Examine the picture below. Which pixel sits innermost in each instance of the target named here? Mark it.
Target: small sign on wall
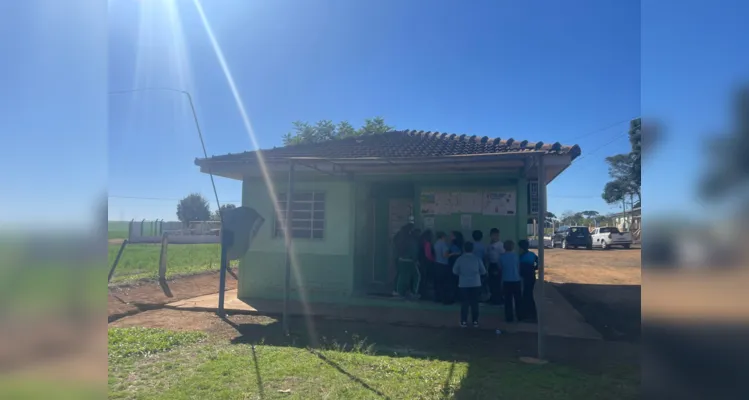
(466, 222)
(428, 222)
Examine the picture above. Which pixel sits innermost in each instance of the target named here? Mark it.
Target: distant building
(629, 221)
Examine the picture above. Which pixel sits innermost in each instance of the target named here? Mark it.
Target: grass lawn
(159, 364)
(141, 261)
(118, 229)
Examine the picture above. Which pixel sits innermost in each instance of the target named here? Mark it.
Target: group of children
(451, 268)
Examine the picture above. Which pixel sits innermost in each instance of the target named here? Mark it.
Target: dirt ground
(596, 267)
(603, 285)
(145, 295)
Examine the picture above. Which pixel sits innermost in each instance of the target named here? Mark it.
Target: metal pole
(117, 260)
(542, 295)
(227, 238)
(287, 236)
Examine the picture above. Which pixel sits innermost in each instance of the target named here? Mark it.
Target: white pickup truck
(605, 237)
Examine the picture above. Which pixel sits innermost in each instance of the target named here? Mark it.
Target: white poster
(465, 222)
(428, 204)
(470, 202)
(443, 203)
(500, 203)
(428, 222)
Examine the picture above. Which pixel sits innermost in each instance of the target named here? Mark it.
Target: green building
(351, 195)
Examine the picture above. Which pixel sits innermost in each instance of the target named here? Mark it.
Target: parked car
(572, 237)
(533, 242)
(607, 236)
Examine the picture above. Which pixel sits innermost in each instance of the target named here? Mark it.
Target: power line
(197, 126)
(617, 137)
(601, 129)
(159, 198)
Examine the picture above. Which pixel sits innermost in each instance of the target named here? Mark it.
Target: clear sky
(573, 72)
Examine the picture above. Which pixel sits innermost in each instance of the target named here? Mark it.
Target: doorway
(391, 209)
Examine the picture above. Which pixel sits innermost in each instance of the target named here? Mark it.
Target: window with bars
(307, 215)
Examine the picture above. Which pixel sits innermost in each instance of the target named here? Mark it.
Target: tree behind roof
(325, 130)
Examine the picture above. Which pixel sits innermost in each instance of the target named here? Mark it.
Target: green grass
(13, 387)
(141, 261)
(118, 229)
(117, 235)
(137, 341)
(215, 369)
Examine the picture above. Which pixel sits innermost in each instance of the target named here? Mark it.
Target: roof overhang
(525, 162)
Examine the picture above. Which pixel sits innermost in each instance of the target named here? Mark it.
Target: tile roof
(406, 144)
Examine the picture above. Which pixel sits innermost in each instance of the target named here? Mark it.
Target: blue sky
(551, 73)
(535, 70)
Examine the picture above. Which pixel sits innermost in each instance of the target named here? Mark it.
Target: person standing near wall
(456, 250)
(399, 242)
(442, 268)
(469, 269)
(528, 268)
(494, 251)
(407, 273)
(510, 264)
(426, 264)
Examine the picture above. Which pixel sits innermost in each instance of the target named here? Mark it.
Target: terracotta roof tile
(407, 144)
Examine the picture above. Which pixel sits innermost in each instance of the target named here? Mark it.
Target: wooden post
(163, 257)
(288, 237)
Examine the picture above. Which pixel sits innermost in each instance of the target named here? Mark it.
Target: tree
(625, 169)
(216, 216)
(590, 214)
(550, 218)
(622, 168)
(569, 218)
(325, 130)
(194, 207)
(635, 156)
(614, 192)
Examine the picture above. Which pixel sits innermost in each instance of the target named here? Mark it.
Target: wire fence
(147, 247)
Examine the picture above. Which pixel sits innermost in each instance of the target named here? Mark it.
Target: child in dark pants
(510, 265)
(494, 280)
(441, 268)
(528, 268)
(469, 269)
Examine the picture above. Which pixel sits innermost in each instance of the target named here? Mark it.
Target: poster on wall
(428, 205)
(470, 202)
(428, 222)
(443, 203)
(465, 222)
(499, 203)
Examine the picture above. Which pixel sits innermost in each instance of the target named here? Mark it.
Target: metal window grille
(307, 215)
(533, 197)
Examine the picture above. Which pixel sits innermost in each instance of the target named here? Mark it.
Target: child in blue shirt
(511, 287)
(528, 268)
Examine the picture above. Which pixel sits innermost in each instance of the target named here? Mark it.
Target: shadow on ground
(613, 310)
(480, 349)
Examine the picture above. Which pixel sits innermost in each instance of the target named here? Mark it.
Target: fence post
(163, 257)
(116, 260)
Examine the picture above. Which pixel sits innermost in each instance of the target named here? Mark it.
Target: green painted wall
(355, 249)
(324, 265)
